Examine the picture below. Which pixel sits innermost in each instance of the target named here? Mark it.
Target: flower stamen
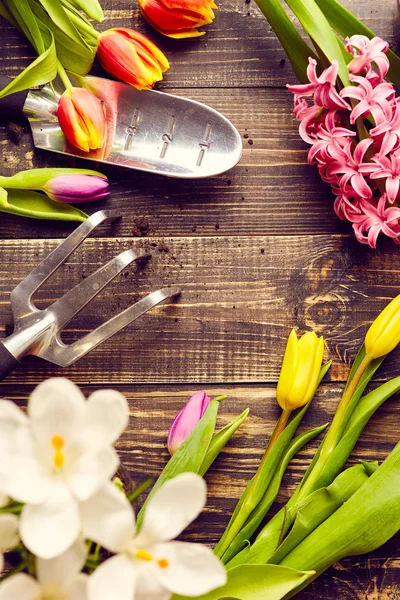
(144, 555)
(163, 563)
(58, 444)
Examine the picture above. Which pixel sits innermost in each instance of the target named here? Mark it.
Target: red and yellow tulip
(82, 119)
(131, 57)
(178, 18)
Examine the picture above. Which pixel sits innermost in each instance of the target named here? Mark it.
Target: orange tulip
(131, 57)
(178, 18)
(82, 119)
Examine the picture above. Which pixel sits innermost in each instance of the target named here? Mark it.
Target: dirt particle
(140, 227)
(14, 132)
(162, 247)
(216, 226)
(282, 62)
(262, 250)
(246, 136)
(250, 142)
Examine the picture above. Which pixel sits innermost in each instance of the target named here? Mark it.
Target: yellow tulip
(384, 334)
(300, 369)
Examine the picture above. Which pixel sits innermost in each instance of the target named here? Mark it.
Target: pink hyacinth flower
(348, 164)
(367, 52)
(326, 135)
(347, 208)
(375, 220)
(374, 101)
(388, 130)
(323, 88)
(186, 420)
(389, 168)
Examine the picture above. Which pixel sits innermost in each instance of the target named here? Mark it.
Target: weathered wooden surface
(257, 251)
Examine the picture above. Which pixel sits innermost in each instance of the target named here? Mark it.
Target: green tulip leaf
(258, 582)
(40, 71)
(38, 206)
(35, 179)
(190, 455)
(60, 18)
(90, 7)
(346, 24)
(5, 13)
(368, 519)
(23, 15)
(219, 441)
(3, 198)
(320, 505)
(297, 50)
(270, 495)
(319, 30)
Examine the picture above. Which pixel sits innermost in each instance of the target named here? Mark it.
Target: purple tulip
(77, 188)
(187, 420)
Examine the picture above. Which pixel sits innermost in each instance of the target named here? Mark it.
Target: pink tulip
(187, 420)
(77, 188)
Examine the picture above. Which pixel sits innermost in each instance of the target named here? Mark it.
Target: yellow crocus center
(146, 556)
(58, 444)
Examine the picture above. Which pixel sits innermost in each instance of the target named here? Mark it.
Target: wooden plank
(272, 191)
(240, 298)
(239, 49)
(143, 451)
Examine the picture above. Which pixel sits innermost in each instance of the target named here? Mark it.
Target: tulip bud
(187, 420)
(82, 119)
(384, 334)
(178, 18)
(300, 370)
(131, 57)
(77, 188)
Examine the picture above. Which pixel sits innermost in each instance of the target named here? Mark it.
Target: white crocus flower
(57, 579)
(60, 456)
(148, 565)
(9, 536)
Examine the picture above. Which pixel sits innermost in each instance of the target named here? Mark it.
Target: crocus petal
(108, 518)
(176, 504)
(56, 407)
(64, 569)
(78, 588)
(107, 418)
(115, 578)
(49, 529)
(147, 584)
(20, 586)
(29, 479)
(9, 536)
(192, 569)
(89, 472)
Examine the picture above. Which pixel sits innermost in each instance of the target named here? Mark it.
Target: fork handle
(8, 362)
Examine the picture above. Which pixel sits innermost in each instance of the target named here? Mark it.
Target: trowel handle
(8, 362)
(12, 105)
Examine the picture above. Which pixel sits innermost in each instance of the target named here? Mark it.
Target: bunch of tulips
(354, 134)
(333, 512)
(66, 41)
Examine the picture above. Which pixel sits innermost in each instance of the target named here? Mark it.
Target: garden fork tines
(38, 331)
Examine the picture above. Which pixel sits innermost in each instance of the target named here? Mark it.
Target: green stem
(250, 503)
(63, 76)
(332, 437)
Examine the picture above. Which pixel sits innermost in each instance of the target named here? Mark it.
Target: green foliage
(26, 203)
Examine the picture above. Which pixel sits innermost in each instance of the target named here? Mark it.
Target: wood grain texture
(241, 296)
(271, 191)
(239, 49)
(143, 451)
(257, 251)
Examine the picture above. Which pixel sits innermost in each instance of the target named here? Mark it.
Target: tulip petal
(115, 578)
(191, 568)
(71, 123)
(176, 504)
(288, 370)
(108, 518)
